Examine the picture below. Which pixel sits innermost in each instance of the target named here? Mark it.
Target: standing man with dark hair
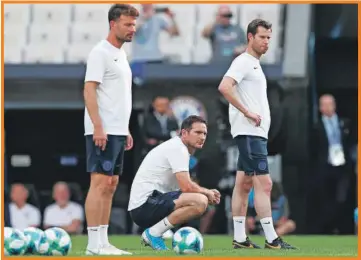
(245, 88)
(108, 102)
(163, 194)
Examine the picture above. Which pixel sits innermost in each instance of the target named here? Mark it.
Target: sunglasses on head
(229, 15)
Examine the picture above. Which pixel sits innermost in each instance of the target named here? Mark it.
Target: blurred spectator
(280, 213)
(64, 213)
(159, 124)
(145, 46)
(331, 161)
(227, 40)
(22, 214)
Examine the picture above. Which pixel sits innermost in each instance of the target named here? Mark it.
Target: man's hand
(129, 144)
(254, 117)
(100, 137)
(217, 196)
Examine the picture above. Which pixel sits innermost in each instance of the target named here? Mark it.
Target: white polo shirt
(157, 171)
(252, 92)
(56, 216)
(109, 66)
(24, 217)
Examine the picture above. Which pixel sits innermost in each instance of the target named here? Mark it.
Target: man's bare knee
(264, 182)
(102, 184)
(201, 202)
(243, 183)
(291, 225)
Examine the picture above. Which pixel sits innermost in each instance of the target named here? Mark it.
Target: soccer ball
(15, 242)
(59, 242)
(187, 240)
(36, 241)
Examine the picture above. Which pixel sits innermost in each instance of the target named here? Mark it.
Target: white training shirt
(252, 92)
(109, 66)
(56, 216)
(24, 217)
(157, 171)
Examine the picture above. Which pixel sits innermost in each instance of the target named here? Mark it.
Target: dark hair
(118, 10)
(189, 121)
(253, 26)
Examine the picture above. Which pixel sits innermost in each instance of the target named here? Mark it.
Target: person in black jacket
(332, 171)
(159, 124)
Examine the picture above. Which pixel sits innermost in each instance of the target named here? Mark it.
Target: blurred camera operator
(149, 25)
(227, 40)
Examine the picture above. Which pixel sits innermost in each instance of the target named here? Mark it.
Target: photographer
(145, 46)
(227, 40)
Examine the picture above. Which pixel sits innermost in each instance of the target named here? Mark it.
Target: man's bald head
(327, 105)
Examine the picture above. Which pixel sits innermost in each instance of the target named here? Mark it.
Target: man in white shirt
(245, 87)
(108, 101)
(64, 213)
(163, 194)
(22, 214)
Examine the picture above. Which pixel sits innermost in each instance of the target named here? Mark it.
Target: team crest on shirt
(185, 106)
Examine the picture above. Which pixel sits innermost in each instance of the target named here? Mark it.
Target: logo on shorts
(107, 165)
(185, 106)
(262, 165)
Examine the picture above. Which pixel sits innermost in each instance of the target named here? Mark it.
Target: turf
(221, 246)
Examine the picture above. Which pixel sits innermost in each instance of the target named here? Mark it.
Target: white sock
(93, 237)
(162, 226)
(239, 224)
(103, 230)
(268, 228)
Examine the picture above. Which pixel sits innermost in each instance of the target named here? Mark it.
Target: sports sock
(239, 224)
(268, 228)
(93, 237)
(162, 226)
(103, 234)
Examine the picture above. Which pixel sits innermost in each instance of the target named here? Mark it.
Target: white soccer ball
(37, 244)
(15, 242)
(187, 240)
(59, 241)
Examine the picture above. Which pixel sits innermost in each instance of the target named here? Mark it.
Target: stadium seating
(43, 33)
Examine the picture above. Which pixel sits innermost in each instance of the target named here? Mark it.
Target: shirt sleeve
(78, 213)
(95, 67)
(34, 217)
(238, 69)
(164, 23)
(179, 160)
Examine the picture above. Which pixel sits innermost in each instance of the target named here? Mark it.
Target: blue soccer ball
(58, 240)
(187, 241)
(35, 237)
(15, 242)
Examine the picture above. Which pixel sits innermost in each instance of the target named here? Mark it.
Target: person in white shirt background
(244, 86)
(64, 213)
(22, 214)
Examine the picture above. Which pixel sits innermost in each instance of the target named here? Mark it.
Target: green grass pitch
(221, 246)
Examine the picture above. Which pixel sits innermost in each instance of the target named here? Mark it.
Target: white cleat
(91, 251)
(112, 250)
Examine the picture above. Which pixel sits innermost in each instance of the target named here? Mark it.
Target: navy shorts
(252, 158)
(109, 161)
(158, 206)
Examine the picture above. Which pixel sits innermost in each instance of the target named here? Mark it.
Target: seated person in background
(227, 40)
(64, 213)
(159, 124)
(280, 213)
(22, 214)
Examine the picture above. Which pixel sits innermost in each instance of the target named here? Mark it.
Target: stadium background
(44, 103)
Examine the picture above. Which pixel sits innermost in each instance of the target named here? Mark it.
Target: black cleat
(246, 244)
(278, 243)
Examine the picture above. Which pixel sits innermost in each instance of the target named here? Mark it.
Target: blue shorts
(108, 162)
(158, 206)
(253, 153)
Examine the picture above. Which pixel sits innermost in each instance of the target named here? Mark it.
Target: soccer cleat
(92, 251)
(278, 243)
(246, 244)
(157, 243)
(114, 251)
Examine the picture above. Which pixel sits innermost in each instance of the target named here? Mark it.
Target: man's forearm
(231, 97)
(91, 105)
(195, 188)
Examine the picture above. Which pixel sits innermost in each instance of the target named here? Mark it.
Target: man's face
(161, 105)
(260, 41)
(124, 28)
(224, 15)
(196, 137)
(61, 194)
(19, 194)
(327, 105)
